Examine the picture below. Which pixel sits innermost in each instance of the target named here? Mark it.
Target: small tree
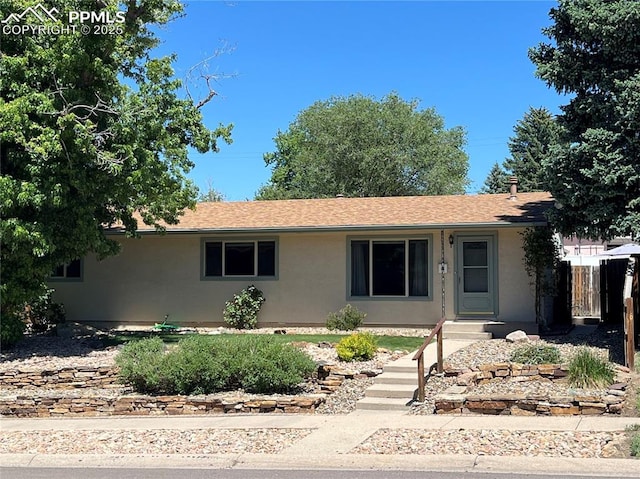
(497, 181)
(210, 194)
(541, 257)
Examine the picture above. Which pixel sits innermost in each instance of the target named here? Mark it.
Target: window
(239, 258)
(389, 267)
(72, 270)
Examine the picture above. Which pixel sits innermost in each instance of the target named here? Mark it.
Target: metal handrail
(419, 356)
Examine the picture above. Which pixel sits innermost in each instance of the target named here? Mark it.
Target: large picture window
(239, 258)
(397, 267)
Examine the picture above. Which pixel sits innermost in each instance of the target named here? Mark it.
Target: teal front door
(476, 275)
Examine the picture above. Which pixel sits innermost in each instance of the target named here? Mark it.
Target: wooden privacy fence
(585, 291)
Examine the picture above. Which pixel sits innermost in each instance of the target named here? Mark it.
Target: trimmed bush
(242, 311)
(588, 370)
(141, 365)
(536, 354)
(357, 347)
(203, 365)
(196, 367)
(348, 318)
(268, 366)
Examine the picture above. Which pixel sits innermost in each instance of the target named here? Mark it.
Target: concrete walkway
(331, 442)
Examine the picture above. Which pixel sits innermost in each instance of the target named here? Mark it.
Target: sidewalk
(331, 442)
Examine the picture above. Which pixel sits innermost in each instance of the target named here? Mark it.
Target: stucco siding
(517, 296)
(156, 276)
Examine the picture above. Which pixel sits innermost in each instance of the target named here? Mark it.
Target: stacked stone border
(83, 403)
(66, 378)
(460, 399)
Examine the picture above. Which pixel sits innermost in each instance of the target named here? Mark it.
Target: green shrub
(535, 354)
(634, 432)
(11, 330)
(194, 368)
(242, 311)
(588, 370)
(203, 365)
(348, 318)
(272, 367)
(141, 365)
(357, 347)
(42, 313)
(36, 316)
(635, 445)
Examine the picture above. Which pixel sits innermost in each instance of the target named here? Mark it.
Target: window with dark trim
(395, 267)
(239, 258)
(71, 270)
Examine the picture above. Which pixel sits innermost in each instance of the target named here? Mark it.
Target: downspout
(442, 275)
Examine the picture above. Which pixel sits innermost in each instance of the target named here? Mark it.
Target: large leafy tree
(93, 131)
(534, 136)
(595, 56)
(359, 146)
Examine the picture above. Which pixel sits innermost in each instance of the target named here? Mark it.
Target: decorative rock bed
(461, 399)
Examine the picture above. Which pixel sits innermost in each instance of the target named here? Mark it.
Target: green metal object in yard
(164, 326)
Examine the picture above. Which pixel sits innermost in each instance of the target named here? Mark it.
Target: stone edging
(459, 399)
(64, 378)
(329, 378)
(141, 405)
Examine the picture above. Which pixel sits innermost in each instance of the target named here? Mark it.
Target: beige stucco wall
(517, 296)
(161, 275)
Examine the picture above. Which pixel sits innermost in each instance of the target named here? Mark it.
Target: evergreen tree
(497, 181)
(595, 56)
(535, 134)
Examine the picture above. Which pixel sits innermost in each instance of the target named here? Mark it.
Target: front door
(476, 275)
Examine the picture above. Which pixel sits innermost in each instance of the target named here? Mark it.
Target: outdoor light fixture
(450, 240)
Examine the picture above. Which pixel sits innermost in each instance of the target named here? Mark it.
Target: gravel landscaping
(56, 352)
(494, 443)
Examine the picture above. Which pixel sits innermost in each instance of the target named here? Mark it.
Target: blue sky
(467, 59)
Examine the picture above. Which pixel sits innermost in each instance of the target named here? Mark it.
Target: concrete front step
(469, 325)
(401, 368)
(378, 390)
(468, 329)
(466, 335)
(383, 404)
(398, 377)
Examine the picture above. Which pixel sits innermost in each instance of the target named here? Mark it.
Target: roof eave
(330, 229)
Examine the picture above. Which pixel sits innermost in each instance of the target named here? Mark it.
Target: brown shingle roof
(362, 213)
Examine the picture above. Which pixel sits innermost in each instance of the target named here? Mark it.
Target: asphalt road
(133, 473)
